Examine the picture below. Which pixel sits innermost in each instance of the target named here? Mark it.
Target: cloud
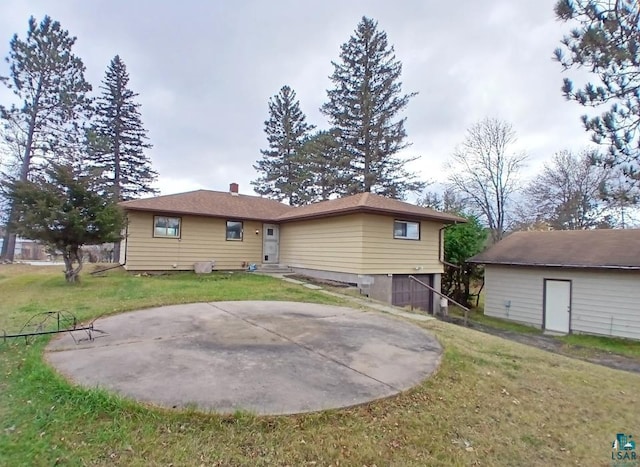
(206, 70)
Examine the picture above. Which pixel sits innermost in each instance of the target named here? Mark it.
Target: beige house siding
(329, 244)
(602, 301)
(359, 244)
(383, 254)
(202, 239)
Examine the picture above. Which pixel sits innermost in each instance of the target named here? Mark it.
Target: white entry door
(270, 243)
(557, 305)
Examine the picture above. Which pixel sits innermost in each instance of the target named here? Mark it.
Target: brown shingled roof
(366, 202)
(223, 204)
(212, 204)
(610, 249)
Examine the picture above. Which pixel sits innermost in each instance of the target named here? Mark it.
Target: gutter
(170, 212)
(555, 265)
(368, 210)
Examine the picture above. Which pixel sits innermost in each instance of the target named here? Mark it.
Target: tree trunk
(70, 255)
(9, 244)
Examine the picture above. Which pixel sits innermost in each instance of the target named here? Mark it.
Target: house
(364, 239)
(585, 281)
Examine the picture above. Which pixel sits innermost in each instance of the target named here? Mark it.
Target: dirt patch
(318, 282)
(551, 344)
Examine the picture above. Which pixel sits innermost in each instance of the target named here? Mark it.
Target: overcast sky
(205, 71)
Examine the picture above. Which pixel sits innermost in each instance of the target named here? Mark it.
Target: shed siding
(383, 254)
(202, 239)
(331, 244)
(522, 290)
(602, 302)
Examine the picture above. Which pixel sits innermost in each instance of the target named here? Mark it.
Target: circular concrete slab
(263, 357)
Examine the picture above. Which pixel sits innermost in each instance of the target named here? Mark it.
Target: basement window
(166, 226)
(406, 230)
(234, 230)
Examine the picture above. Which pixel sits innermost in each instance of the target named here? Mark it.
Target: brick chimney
(233, 188)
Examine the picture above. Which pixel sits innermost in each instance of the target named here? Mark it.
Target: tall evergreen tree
(48, 82)
(324, 165)
(364, 106)
(118, 139)
(282, 170)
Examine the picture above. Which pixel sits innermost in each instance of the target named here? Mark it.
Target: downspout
(126, 244)
(440, 244)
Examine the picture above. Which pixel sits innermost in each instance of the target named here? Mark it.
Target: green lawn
(492, 402)
(478, 316)
(627, 347)
(575, 344)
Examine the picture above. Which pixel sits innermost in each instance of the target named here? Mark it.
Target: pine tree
(118, 139)
(282, 170)
(363, 106)
(606, 41)
(324, 165)
(62, 207)
(48, 82)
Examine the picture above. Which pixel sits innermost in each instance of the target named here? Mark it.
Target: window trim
(405, 221)
(156, 235)
(226, 231)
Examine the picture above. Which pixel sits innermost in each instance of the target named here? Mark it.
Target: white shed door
(557, 305)
(270, 243)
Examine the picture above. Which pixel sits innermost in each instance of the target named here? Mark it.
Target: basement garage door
(406, 292)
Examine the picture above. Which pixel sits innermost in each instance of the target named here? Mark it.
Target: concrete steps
(274, 269)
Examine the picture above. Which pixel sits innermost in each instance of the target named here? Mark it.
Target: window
(406, 230)
(234, 230)
(166, 226)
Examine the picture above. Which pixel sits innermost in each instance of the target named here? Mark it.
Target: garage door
(405, 292)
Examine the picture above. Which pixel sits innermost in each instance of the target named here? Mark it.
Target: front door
(270, 243)
(557, 305)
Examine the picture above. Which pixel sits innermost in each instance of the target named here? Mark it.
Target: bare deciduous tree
(446, 201)
(485, 171)
(568, 193)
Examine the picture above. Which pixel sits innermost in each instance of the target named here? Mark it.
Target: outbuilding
(584, 281)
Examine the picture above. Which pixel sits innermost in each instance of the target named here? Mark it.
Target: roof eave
(371, 210)
(200, 214)
(552, 265)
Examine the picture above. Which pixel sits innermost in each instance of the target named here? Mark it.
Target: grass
(576, 344)
(478, 316)
(36, 289)
(492, 402)
(626, 347)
